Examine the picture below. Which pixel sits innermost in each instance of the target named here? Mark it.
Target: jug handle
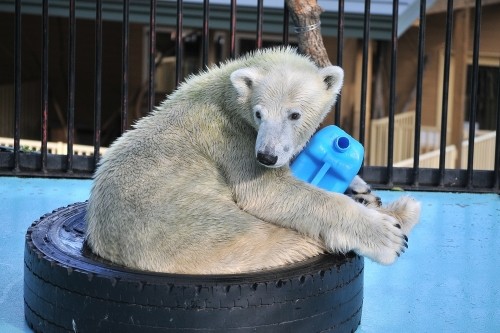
(320, 173)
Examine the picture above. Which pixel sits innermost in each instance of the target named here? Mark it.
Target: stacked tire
(69, 289)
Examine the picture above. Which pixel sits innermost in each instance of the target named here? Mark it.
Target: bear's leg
(224, 240)
(263, 246)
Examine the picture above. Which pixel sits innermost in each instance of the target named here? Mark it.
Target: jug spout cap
(341, 143)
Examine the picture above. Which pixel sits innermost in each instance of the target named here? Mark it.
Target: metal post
(340, 48)
(45, 81)
(17, 86)
(473, 95)
(125, 54)
(71, 86)
(392, 92)
(418, 97)
(98, 82)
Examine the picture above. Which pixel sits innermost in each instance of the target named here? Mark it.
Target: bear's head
(286, 103)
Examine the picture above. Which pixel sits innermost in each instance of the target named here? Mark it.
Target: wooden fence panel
(404, 138)
(484, 152)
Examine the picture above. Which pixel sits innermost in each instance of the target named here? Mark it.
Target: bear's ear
(244, 80)
(333, 77)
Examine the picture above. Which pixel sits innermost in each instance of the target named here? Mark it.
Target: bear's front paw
(383, 239)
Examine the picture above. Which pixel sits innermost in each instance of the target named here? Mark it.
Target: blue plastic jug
(330, 160)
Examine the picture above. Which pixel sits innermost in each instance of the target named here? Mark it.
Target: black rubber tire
(68, 289)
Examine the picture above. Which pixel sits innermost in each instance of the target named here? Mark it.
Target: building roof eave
(380, 17)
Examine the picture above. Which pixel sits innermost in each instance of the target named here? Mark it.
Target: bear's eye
(294, 116)
(257, 115)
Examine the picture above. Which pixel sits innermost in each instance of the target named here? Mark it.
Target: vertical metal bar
(473, 94)
(286, 22)
(125, 54)
(364, 71)
(260, 10)
(418, 104)
(45, 81)
(340, 49)
(496, 175)
(71, 85)
(205, 36)
(179, 50)
(392, 91)
(98, 81)
(17, 85)
(446, 77)
(152, 55)
(232, 30)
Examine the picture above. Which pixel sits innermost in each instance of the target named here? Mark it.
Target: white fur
(184, 192)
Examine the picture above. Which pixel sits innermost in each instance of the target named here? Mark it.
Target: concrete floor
(446, 281)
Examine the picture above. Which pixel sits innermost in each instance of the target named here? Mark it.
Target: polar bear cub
(202, 185)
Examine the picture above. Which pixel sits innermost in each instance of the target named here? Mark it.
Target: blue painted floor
(447, 281)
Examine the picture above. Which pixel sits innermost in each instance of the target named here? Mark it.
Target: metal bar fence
(418, 97)
(496, 176)
(364, 72)
(392, 91)
(125, 57)
(205, 33)
(286, 23)
(232, 30)
(179, 49)
(17, 86)
(152, 54)
(473, 94)
(340, 49)
(45, 82)
(71, 86)
(446, 85)
(260, 19)
(98, 82)
(16, 162)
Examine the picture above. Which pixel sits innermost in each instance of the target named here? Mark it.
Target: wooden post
(305, 16)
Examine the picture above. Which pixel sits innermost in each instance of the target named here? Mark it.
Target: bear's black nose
(267, 159)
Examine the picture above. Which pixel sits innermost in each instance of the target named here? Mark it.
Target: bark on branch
(305, 16)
